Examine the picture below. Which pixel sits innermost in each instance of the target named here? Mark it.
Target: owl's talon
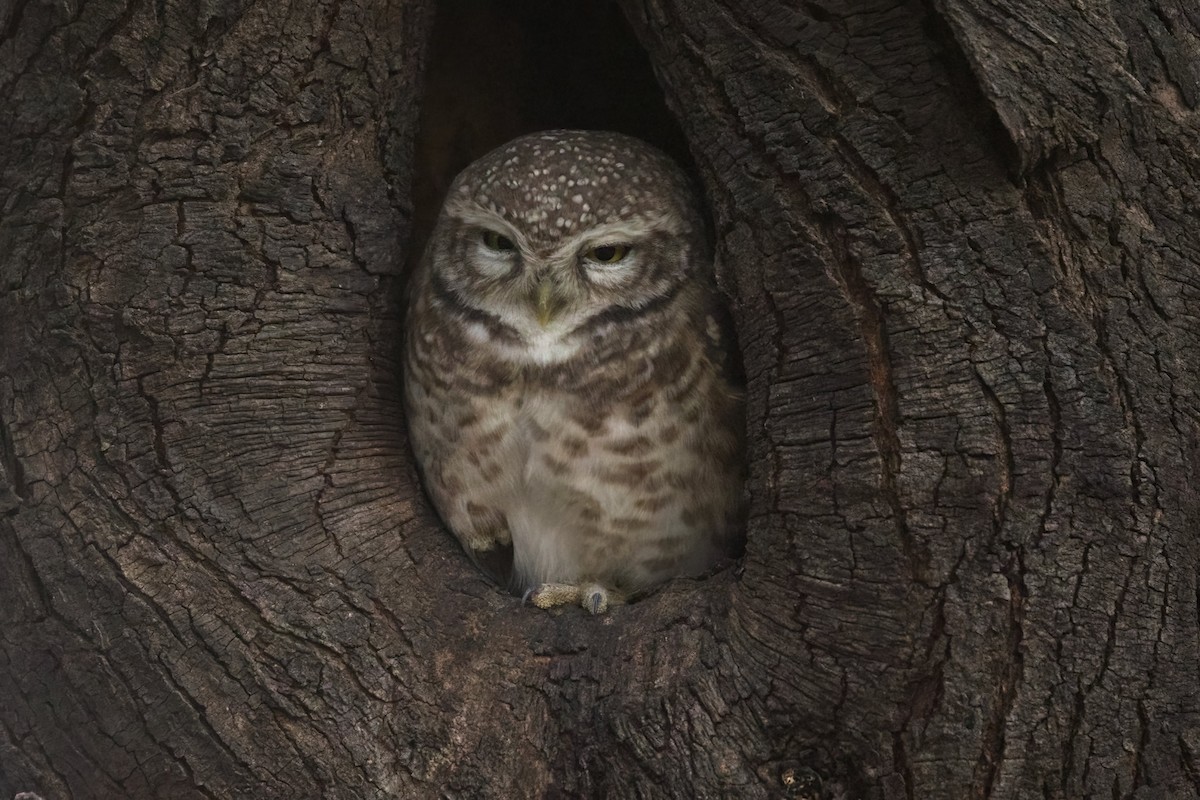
(595, 598)
(598, 599)
(549, 595)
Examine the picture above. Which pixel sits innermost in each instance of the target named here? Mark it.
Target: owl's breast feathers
(621, 464)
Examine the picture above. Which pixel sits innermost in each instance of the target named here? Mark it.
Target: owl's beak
(546, 301)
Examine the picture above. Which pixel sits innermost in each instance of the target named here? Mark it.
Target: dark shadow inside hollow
(501, 68)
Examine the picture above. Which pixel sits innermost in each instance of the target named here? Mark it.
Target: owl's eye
(498, 242)
(608, 253)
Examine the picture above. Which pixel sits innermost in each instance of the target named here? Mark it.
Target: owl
(568, 382)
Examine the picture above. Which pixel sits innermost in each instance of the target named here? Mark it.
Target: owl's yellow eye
(497, 241)
(608, 253)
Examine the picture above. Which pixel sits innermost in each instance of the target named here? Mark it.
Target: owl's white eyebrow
(622, 232)
(627, 231)
(482, 218)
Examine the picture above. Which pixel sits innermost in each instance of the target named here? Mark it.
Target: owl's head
(555, 233)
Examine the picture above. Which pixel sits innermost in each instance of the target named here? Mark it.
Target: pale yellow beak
(546, 302)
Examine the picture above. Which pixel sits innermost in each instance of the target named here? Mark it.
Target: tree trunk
(961, 244)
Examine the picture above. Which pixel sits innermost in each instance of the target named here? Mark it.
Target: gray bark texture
(962, 246)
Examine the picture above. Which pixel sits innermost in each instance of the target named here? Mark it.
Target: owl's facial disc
(568, 275)
(545, 287)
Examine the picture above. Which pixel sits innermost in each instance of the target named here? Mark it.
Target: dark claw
(597, 599)
(527, 597)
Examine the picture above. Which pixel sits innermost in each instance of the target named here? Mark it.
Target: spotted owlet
(567, 375)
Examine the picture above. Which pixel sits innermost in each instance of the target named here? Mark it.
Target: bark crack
(873, 327)
(991, 756)
(12, 472)
(886, 200)
(1188, 757)
(1005, 490)
(160, 446)
(1056, 438)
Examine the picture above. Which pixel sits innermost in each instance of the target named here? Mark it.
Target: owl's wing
(720, 342)
(482, 530)
(467, 510)
(445, 407)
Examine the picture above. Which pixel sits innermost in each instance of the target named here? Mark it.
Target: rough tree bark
(962, 246)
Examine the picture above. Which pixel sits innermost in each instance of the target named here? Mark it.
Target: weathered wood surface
(962, 248)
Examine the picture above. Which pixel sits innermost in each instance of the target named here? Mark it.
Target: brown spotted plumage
(567, 387)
